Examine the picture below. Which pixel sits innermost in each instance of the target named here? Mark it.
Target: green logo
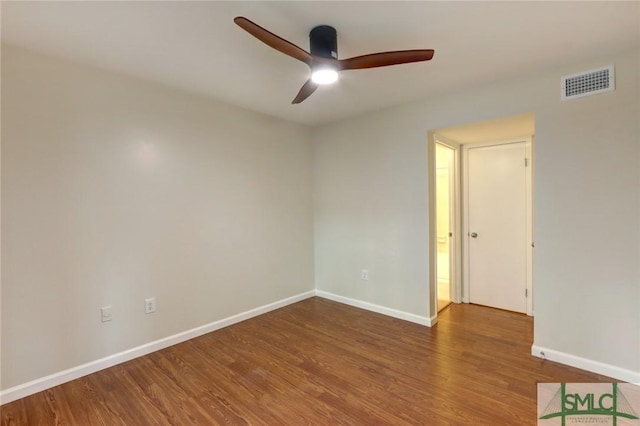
(612, 405)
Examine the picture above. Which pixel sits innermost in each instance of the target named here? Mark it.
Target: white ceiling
(195, 46)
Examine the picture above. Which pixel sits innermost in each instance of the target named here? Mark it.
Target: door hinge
(526, 292)
(526, 162)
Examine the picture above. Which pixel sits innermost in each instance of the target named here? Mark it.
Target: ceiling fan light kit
(323, 59)
(326, 75)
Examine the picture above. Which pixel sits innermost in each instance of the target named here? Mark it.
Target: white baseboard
(379, 309)
(38, 385)
(586, 364)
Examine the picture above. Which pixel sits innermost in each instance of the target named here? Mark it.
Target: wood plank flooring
(319, 362)
(443, 303)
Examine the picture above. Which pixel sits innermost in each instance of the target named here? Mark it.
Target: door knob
(474, 235)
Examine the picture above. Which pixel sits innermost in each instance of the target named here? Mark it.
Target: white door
(497, 203)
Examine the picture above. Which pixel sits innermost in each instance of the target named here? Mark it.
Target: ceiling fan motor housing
(324, 41)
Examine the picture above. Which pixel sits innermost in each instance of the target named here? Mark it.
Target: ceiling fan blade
(307, 89)
(273, 40)
(384, 59)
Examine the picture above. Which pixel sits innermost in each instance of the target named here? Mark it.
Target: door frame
(528, 140)
(455, 265)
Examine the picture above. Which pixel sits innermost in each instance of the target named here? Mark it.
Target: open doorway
(456, 263)
(445, 223)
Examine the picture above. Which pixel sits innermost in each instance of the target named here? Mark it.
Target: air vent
(588, 83)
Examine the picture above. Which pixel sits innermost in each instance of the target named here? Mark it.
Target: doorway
(461, 138)
(445, 219)
(445, 223)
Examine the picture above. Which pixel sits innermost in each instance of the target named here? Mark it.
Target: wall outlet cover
(150, 305)
(105, 314)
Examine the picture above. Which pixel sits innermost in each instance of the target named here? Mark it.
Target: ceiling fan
(323, 56)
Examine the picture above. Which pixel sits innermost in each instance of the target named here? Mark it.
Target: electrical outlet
(365, 274)
(105, 313)
(150, 305)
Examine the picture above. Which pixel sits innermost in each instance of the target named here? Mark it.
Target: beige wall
(370, 198)
(114, 190)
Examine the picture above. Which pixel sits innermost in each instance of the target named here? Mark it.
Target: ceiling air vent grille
(588, 83)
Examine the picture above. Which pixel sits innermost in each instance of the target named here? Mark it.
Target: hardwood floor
(442, 303)
(319, 362)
